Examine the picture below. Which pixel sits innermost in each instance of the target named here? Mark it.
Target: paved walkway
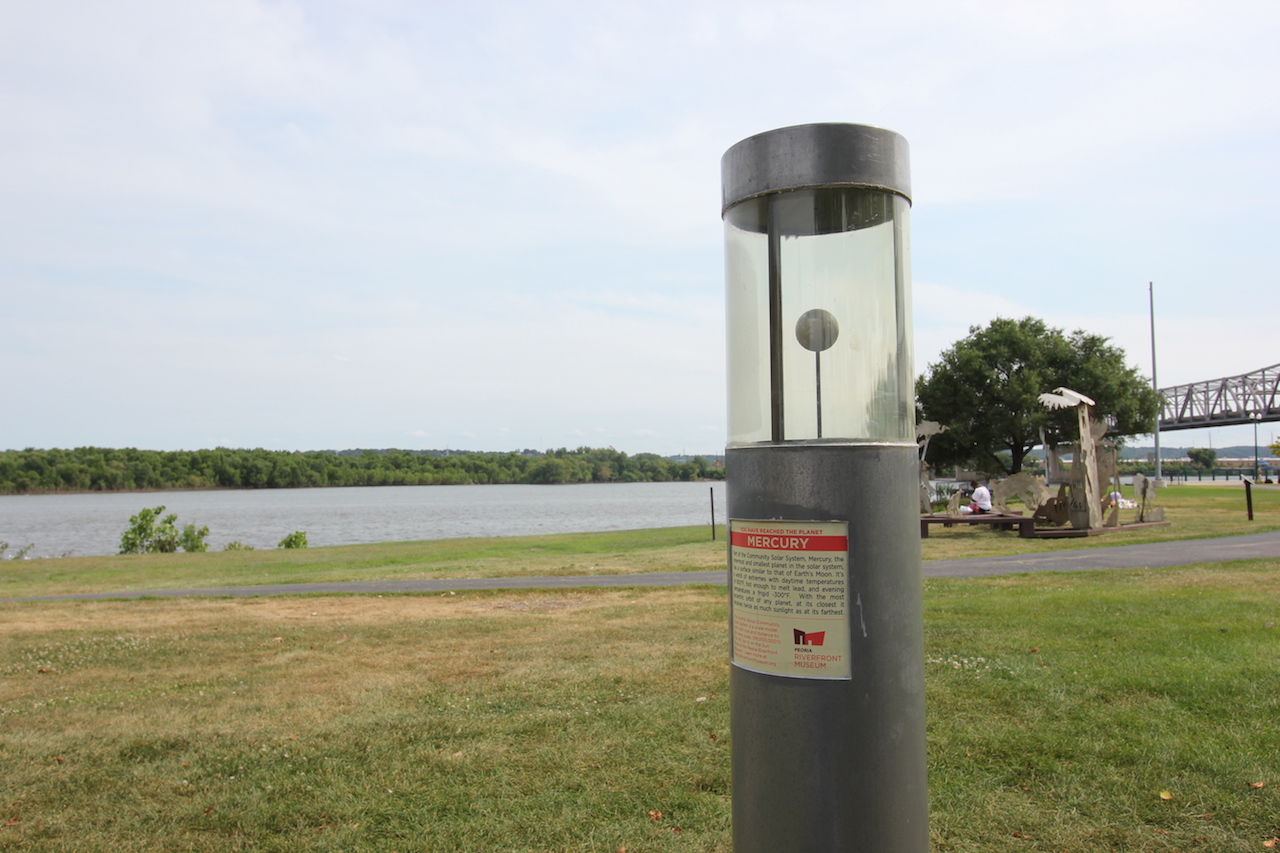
(1151, 555)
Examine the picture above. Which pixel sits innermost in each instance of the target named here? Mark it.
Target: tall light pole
(1151, 301)
(1255, 417)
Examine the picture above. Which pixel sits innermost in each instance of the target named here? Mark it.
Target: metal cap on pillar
(827, 675)
(815, 155)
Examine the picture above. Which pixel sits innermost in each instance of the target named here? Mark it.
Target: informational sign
(790, 597)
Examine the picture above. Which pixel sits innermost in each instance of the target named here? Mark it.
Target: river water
(91, 524)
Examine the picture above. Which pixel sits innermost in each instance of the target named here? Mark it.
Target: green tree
(1203, 456)
(985, 389)
(105, 469)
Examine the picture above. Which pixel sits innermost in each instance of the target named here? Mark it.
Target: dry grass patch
(477, 721)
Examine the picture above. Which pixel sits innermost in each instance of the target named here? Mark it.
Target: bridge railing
(1232, 400)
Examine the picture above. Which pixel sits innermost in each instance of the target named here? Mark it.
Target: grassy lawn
(672, 549)
(1132, 710)
(1127, 710)
(1195, 512)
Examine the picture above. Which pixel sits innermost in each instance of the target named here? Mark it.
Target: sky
(496, 225)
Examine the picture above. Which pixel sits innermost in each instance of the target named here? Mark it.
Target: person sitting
(981, 498)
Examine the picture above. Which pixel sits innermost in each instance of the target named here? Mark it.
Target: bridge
(1245, 399)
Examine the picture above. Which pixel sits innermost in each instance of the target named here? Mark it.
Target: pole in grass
(713, 512)
(827, 651)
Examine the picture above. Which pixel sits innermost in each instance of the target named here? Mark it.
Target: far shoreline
(166, 489)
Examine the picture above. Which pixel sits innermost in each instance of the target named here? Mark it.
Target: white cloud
(340, 224)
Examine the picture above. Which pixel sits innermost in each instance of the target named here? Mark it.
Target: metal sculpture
(1028, 487)
(1084, 496)
(926, 430)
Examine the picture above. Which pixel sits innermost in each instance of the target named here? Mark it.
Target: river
(91, 524)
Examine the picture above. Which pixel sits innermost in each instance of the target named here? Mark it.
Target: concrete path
(1152, 555)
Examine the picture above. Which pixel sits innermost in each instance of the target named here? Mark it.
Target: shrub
(296, 539)
(149, 533)
(20, 554)
(192, 539)
(237, 545)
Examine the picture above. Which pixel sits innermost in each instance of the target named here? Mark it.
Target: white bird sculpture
(1065, 398)
(1086, 457)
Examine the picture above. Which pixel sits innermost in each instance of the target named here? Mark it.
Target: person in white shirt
(981, 497)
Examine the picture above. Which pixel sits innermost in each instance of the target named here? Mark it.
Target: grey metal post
(827, 676)
(1151, 303)
(1255, 417)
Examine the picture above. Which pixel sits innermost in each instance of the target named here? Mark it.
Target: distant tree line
(100, 469)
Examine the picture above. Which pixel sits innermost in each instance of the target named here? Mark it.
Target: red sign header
(789, 541)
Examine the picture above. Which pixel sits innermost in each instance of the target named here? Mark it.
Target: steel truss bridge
(1245, 399)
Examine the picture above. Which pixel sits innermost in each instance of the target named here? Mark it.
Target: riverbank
(1196, 513)
(87, 525)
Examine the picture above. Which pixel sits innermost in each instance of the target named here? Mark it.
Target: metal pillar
(1255, 416)
(827, 677)
(1151, 303)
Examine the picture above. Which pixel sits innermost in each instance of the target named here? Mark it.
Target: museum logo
(813, 638)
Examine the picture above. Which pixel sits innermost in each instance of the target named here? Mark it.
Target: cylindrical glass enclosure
(818, 296)
(826, 639)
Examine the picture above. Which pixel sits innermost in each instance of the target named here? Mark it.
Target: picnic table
(1026, 524)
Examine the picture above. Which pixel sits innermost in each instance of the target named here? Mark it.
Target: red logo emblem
(812, 639)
